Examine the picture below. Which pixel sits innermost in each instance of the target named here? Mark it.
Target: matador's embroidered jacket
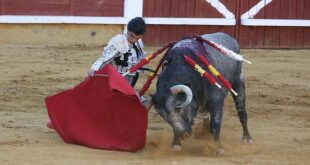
(121, 54)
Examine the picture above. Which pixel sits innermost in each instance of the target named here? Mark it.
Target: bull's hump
(184, 43)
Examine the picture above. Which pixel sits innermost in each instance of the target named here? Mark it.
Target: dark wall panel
(97, 8)
(37, 7)
(63, 7)
(161, 34)
(248, 36)
(1, 7)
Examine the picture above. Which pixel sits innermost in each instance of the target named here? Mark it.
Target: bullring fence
(254, 23)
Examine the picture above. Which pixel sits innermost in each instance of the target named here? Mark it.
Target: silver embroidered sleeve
(108, 53)
(142, 48)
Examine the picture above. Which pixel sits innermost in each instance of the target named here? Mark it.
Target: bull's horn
(185, 89)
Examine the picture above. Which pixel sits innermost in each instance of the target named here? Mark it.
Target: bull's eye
(165, 63)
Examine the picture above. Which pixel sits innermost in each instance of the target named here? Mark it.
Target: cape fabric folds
(101, 112)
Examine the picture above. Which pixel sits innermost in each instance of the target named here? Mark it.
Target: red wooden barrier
(248, 36)
(62, 7)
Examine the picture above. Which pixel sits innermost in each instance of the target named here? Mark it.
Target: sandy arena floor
(278, 105)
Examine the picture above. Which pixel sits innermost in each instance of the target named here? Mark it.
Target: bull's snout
(182, 129)
(186, 136)
(183, 135)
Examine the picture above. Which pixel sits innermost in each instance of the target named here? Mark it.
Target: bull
(181, 91)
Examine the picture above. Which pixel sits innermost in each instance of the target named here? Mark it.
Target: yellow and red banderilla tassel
(212, 70)
(217, 74)
(201, 71)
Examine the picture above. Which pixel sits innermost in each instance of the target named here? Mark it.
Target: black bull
(181, 90)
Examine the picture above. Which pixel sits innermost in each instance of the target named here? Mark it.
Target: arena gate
(254, 23)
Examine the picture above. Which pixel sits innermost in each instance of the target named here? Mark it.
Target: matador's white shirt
(121, 54)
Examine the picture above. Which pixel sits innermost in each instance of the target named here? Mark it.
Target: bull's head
(178, 109)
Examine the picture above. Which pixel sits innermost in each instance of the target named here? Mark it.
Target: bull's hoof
(218, 152)
(216, 149)
(176, 148)
(203, 115)
(247, 141)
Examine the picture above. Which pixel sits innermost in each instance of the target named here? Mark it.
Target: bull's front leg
(176, 143)
(215, 105)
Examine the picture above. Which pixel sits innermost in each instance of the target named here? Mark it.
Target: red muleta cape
(100, 112)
